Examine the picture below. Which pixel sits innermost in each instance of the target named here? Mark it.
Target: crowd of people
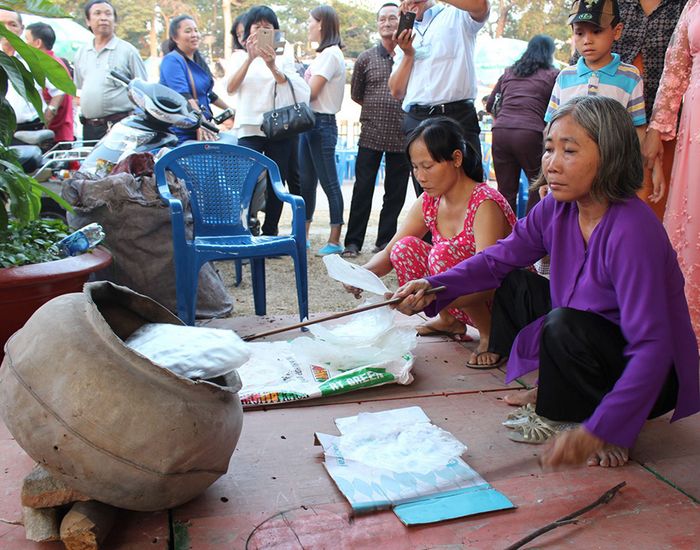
(614, 328)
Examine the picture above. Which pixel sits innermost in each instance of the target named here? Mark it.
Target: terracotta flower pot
(26, 288)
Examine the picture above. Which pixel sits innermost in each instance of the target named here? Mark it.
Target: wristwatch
(52, 108)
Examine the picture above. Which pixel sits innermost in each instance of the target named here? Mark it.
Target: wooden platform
(277, 495)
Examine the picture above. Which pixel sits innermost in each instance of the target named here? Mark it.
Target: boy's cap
(602, 13)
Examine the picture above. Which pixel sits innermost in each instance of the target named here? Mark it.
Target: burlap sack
(139, 236)
(104, 419)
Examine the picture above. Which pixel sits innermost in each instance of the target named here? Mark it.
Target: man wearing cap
(103, 100)
(596, 25)
(433, 72)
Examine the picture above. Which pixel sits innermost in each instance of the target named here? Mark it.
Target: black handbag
(289, 121)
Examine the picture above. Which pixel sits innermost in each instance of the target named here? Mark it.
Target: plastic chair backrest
(220, 179)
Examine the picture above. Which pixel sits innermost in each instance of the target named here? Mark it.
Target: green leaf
(52, 195)
(13, 73)
(37, 7)
(8, 121)
(3, 83)
(55, 72)
(26, 52)
(31, 93)
(41, 65)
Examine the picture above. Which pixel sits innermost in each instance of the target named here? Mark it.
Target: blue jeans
(317, 163)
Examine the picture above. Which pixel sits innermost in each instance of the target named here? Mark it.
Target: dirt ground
(325, 294)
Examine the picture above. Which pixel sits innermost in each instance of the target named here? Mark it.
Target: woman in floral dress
(463, 215)
(681, 82)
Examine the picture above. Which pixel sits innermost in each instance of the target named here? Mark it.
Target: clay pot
(25, 288)
(106, 420)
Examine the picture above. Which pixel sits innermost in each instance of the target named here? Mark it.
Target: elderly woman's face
(187, 38)
(570, 160)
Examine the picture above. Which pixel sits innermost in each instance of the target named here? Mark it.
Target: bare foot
(610, 456)
(521, 398)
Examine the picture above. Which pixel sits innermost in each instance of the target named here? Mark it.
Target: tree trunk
(153, 35)
(228, 40)
(504, 7)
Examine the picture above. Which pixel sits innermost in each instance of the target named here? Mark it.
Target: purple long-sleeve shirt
(628, 274)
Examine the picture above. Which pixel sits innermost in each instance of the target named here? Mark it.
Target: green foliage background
(520, 19)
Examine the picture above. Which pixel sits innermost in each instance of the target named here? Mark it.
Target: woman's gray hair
(609, 125)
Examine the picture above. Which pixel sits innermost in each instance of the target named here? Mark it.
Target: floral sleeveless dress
(413, 258)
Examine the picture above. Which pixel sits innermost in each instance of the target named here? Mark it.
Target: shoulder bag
(289, 121)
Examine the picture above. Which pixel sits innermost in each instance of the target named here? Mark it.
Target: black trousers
(94, 133)
(280, 152)
(581, 353)
(464, 116)
(515, 150)
(395, 183)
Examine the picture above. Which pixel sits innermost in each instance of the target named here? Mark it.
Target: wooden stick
(604, 499)
(334, 316)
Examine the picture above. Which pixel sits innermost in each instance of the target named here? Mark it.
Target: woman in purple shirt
(610, 331)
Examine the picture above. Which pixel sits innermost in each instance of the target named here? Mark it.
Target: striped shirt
(616, 80)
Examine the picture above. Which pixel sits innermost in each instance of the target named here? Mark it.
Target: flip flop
(539, 430)
(500, 362)
(424, 330)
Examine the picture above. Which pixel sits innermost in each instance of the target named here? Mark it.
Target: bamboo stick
(308, 322)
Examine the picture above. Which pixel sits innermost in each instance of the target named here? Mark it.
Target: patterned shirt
(381, 115)
(616, 80)
(648, 35)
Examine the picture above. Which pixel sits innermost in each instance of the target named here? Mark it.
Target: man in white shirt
(103, 100)
(433, 70)
(25, 113)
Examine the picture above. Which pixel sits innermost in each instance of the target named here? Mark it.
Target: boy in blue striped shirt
(596, 25)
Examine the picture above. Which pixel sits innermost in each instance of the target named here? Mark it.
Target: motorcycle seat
(30, 157)
(34, 137)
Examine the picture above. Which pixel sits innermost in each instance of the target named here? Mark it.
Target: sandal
(520, 416)
(502, 359)
(538, 430)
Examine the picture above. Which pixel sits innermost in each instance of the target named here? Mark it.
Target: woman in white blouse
(326, 77)
(253, 75)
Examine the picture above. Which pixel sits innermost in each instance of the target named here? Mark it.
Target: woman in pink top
(681, 78)
(463, 215)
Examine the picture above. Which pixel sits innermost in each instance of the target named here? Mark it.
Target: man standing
(434, 67)
(381, 134)
(103, 100)
(25, 113)
(59, 106)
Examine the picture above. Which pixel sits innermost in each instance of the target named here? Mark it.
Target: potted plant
(31, 272)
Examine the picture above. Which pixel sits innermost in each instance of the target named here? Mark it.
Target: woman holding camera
(185, 71)
(259, 81)
(326, 77)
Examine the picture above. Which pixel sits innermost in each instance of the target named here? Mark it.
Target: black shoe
(351, 251)
(379, 248)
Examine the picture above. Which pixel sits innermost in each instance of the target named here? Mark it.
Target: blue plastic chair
(523, 193)
(220, 179)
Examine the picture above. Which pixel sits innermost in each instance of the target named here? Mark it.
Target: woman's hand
(251, 46)
(206, 135)
(652, 148)
(571, 448)
(414, 298)
(658, 182)
(268, 56)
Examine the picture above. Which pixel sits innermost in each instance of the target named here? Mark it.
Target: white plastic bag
(191, 352)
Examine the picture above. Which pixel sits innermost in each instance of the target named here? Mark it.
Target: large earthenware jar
(106, 420)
